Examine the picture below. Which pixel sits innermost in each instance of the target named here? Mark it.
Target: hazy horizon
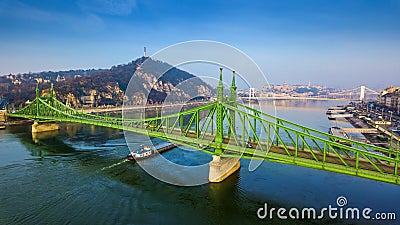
(330, 43)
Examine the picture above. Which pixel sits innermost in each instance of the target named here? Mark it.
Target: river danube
(80, 176)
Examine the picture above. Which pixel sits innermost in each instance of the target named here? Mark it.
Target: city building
(390, 98)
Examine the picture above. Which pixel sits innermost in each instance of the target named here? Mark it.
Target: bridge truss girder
(230, 129)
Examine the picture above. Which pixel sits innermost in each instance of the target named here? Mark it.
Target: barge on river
(148, 151)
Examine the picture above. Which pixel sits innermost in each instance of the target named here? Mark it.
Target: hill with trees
(151, 82)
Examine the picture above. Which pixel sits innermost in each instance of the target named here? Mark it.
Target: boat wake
(114, 165)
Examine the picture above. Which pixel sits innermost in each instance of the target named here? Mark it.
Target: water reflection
(72, 129)
(37, 136)
(306, 104)
(46, 144)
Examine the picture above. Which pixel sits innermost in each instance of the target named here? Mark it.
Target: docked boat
(339, 107)
(147, 151)
(330, 117)
(2, 126)
(337, 131)
(381, 137)
(250, 100)
(333, 111)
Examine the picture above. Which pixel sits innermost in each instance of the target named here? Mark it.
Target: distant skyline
(340, 43)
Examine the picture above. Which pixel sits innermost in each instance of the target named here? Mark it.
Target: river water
(79, 175)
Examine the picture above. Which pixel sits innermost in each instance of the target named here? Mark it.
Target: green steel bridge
(227, 128)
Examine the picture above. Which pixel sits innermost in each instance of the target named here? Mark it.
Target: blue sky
(340, 43)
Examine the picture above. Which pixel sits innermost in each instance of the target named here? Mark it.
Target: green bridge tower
(219, 134)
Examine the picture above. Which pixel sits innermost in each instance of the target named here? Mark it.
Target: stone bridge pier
(44, 126)
(3, 116)
(222, 167)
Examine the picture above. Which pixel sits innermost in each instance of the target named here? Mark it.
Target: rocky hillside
(107, 87)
